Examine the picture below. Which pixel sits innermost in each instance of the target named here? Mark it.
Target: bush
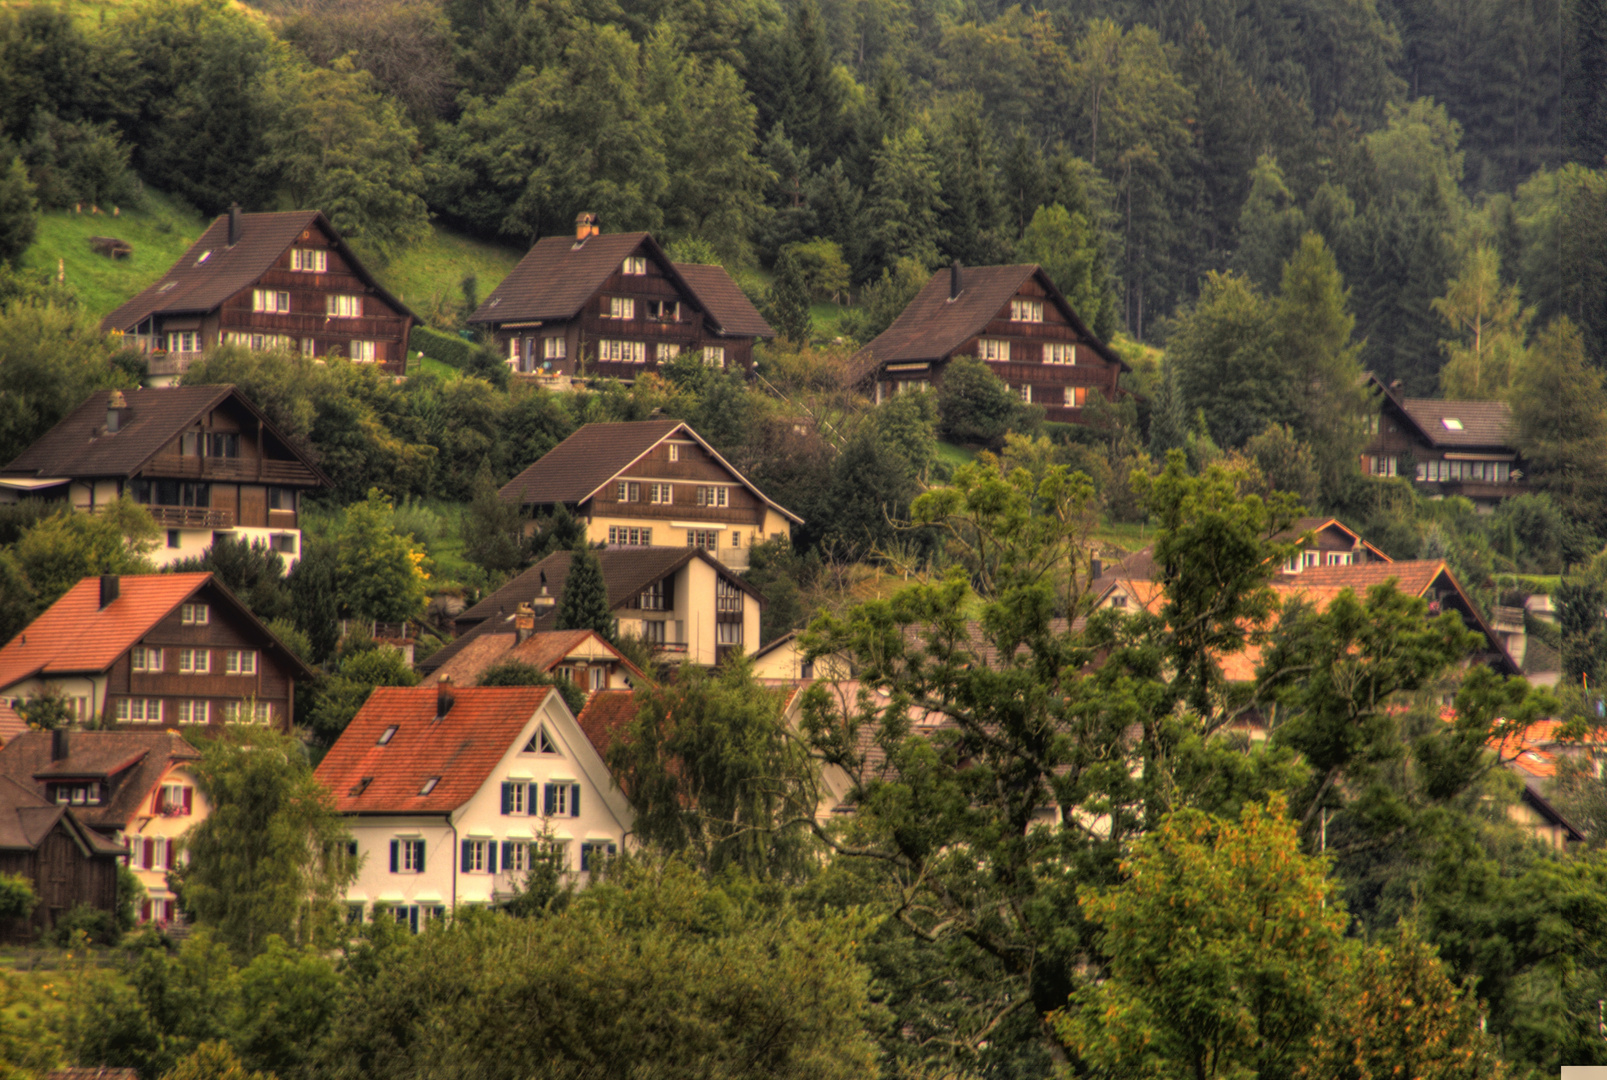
(17, 897)
(99, 926)
(519, 673)
(975, 407)
(449, 349)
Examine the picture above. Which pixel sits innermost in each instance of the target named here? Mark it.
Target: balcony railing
(191, 517)
(260, 470)
(171, 363)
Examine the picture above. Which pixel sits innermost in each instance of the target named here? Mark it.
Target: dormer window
(1451, 423)
(77, 794)
(429, 785)
(386, 736)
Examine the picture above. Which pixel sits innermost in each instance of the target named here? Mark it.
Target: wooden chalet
(1011, 317)
(282, 281)
(652, 483)
(1465, 448)
(615, 305)
(583, 657)
(154, 650)
(68, 863)
(203, 460)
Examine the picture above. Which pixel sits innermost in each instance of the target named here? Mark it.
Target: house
(688, 606)
(154, 649)
(1465, 448)
(132, 790)
(284, 281)
(652, 483)
(1533, 754)
(581, 656)
(203, 460)
(1011, 317)
(615, 305)
(451, 793)
(67, 863)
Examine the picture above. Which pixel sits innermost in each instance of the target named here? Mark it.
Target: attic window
(493, 302)
(203, 257)
(166, 285)
(361, 786)
(1451, 423)
(540, 743)
(429, 785)
(386, 736)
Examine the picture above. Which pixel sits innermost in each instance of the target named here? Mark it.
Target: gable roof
(135, 761)
(191, 285)
(76, 634)
(496, 641)
(11, 723)
(626, 572)
(583, 464)
(461, 748)
(1324, 524)
(558, 275)
(607, 713)
(728, 307)
(80, 446)
(1485, 424)
(933, 326)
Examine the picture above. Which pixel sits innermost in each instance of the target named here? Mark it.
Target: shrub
(17, 898)
(99, 926)
(447, 348)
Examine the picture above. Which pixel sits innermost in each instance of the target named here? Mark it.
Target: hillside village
(801, 539)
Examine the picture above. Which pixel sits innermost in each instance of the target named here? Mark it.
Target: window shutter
(549, 796)
(468, 848)
(507, 853)
(574, 801)
(144, 911)
(507, 797)
(420, 860)
(490, 856)
(150, 854)
(187, 800)
(156, 802)
(412, 918)
(396, 855)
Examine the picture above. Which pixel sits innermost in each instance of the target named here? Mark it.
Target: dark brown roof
(578, 467)
(933, 326)
(729, 308)
(193, 285)
(80, 447)
(557, 276)
(134, 762)
(1482, 423)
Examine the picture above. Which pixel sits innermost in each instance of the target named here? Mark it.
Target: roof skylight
(203, 257)
(429, 785)
(386, 736)
(1451, 423)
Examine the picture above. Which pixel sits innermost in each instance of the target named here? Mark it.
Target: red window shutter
(169, 855)
(156, 801)
(150, 854)
(144, 911)
(187, 801)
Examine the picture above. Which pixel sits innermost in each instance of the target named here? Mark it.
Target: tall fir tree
(583, 605)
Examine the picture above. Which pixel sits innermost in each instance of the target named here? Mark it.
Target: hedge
(449, 349)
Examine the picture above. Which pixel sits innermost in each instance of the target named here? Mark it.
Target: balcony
(191, 517)
(171, 363)
(248, 470)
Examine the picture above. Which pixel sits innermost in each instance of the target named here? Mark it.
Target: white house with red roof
(450, 793)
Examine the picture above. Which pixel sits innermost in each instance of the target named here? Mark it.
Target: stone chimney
(111, 587)
(443, 696)
(585, 226)
(524, 623)
(116, 410)
(956, 280)
(234, 224)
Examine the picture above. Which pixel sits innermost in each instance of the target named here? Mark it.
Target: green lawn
(954, 455)
(428, 277)
(418, 364)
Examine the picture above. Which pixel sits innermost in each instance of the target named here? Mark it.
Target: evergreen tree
(1270, 226)
(19, 217)
(1168, 418)
(1560, 409)
(583, 604)
(906, 201)
(789, 300)
(1066, 246)
(493, 529)
(1491, 325)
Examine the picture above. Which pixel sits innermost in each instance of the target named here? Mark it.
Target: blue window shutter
(507, 797)
(412, 918)
(574, 801)
(585, 857)
(491, 856)
(507, 853)
(612, 850)
(396, 861)
(548, 795)
(468, 850)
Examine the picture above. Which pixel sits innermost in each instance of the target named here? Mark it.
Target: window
(540, 743)
(992, 349)
(666, 353)
(664, 494)
(1310, 558)
(1026, 311)
(513, 351)
(309, 260)
(652, 597)
(736, 539)
(1383, 465)
(173, 800)
(173, 540)
(714, 356)
(653, 631)
(363, 352)
(1058, 352)
(712, 496)
(262, 712)
(339, 306)
(146, 710)
(407, 856)
(77, 794)
(195, 661)
(621, 307)
(386, 736)
(1025, 390)
(309, 347)
(594, 852)
(429, 785)
(515, 856)
(707, 539)
(221, 444)
(240, 662)
(284, 543)
(728, 633)
(665, 311)
(267, 300)
(1339, 558)
(727, 597)
(675, 452)
(194, 711)
(622, 352)
(636, 264)
(193, 614)
(1076, 396)
(553, 348)
(554, 851)
(479, 856)
(631, 537)
(560, 800)
(261, 342)
(627, 491)
(597, 678)
(354, 914)
(144, 659)
(1451, 423)
(184, 341)
(282, 498)
(516, 798)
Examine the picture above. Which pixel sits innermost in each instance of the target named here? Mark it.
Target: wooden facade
(1444, 447)
(66, 869)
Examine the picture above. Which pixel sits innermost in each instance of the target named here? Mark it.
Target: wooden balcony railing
(191, 517)
(171, 363)
(249, 470)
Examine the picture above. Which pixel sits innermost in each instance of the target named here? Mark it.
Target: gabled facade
(1014, 319)
(652, 483)
(615, 306)
(451, 794)
(154, 651)
(1333, 543)
(202, 459)
(67, 863)
(132, 789)
(282, 281)
(688, 606)
(1465, 448)
(581, 656)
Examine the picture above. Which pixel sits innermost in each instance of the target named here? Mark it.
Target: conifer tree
(789, 300)
(583, 605)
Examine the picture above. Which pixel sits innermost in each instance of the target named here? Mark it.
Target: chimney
(585, 226)
(956, 282)
(524, 623)
(110, 587)
(543, 583)
(443, 696)
(116, 406)
(58, 744)
(234, 224)
(1096, 566)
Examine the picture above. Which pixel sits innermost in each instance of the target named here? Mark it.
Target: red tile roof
(135, 762)
(196, 285)
(728, 306)
(606, 714)
(460, 748)
(1412, 576)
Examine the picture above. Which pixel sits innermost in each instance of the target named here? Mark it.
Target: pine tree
(1168, 423)
(19, 217)
(492, 527)
(789, 300)
(583, 605)
(1491, 324)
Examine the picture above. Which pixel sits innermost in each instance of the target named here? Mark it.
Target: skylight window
(166, 285)
(203, 257)
(361, 786)
(386, 736)
(1451, 423)
(429, 785)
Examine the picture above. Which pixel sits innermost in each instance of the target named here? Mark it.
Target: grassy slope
(428, 277)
